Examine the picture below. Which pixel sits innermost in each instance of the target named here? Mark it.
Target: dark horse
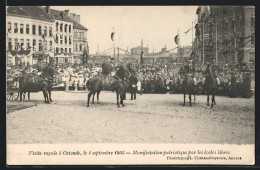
(98, 83)
(32, 82)
(210, 85)
(187, 84)
(187, 87)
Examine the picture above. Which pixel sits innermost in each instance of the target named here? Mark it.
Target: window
(69, 28)
(69, 50)
(61, 27)
(9, 43)
(65, 29)
(240, 21)
(69, 40)
(9, 29)
(65, 39)
(57, 50)
(57, 27)
(45, 45)
(66, 50)
(34, 45)
(61, 50)
(253, 23)
(27, 28)
(40, 30)
(253, 39)
(21, 28)
(233, 26)
(15, 27)
(40, 45)
(50, 45)
(16, 44)
(22, 44)
(27, 44)
(61, 41)
(226, 24)
(45, 31)
(50, 31)
(80, 47)
(33, 29)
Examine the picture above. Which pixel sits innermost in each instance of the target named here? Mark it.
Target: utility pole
(192, 34)
(235, 41)
(114, 45)
(203, 54)
(216, 43)
(142, 52)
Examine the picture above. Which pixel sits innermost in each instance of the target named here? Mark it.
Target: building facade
(225, 34)
(137, 50)
(80, 43)
(63, 36)
(185, 51)
(35, 33)
(29, 30)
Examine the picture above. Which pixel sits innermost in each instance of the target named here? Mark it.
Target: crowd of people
(154, 76)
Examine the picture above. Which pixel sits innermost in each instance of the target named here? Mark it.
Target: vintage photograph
(130, 74)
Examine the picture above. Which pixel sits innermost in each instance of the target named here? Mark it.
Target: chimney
(67, 12)
(62, 15)
(71, 16)
(78, 19)
(74, 17)
(48, 9)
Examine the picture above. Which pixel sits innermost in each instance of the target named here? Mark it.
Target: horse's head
(50, 70)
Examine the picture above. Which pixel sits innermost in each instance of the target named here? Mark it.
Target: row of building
(39, 33)
(225, 34)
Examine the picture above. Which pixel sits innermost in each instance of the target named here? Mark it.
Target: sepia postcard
(130, 85)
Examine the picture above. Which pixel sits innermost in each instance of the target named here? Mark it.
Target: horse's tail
(88, 85)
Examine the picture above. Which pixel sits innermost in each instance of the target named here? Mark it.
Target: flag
(177, 39)
(112, 36)
(187, 31)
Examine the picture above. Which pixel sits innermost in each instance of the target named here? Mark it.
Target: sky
(156, 25)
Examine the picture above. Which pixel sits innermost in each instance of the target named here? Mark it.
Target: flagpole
(192, 33)
(203, 55)
(216, 44)
(235, 41)
(114, 45)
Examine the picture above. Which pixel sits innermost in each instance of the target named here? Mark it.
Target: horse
(187, 87)
(32, 82)
(98, 83)
(210, 85)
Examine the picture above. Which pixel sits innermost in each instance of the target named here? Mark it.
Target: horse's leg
(93, 97)
(194, 94)
(89, 95)
(117, 96)
(46, 95)
(213, 95)
(50, 95)
(190, 99)
(184, 99)
(98, 96)
(21, 95)
(212, 100)
(207, 99)
(29, 95)
(24, 96)
(121, 99)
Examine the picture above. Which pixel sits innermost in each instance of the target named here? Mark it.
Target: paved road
(152, 118)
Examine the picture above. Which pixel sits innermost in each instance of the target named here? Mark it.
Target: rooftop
(33, 12)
